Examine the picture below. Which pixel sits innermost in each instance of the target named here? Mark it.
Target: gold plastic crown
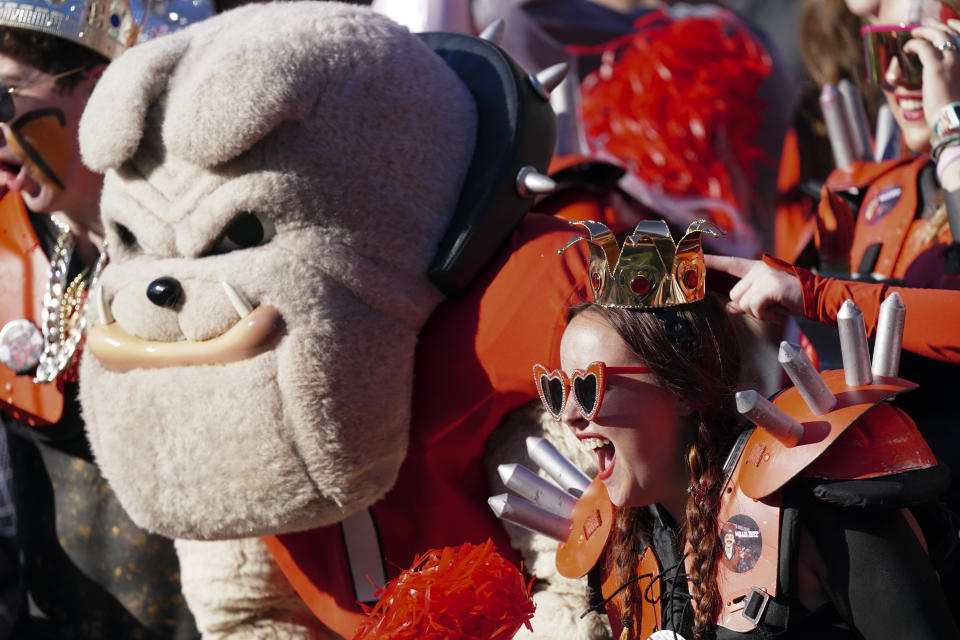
(105, 26)
(650, 271)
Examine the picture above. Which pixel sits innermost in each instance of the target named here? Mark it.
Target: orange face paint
(39, 139)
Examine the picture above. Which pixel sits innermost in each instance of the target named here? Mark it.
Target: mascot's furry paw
(560, 601)
(237, 592)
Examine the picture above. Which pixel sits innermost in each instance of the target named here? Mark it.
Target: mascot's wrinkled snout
(249, 360)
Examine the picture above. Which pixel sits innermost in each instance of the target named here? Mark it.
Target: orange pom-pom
(677, 102)
(469, 592)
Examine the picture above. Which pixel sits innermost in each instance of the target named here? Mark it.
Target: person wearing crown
(90, 572)
(649, 383)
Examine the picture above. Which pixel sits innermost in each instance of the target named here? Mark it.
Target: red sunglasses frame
(597, 369)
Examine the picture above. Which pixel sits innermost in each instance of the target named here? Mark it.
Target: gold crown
(105, 26)
(650, 271)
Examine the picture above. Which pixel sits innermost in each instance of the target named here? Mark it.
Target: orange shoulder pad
(768, 464)
(883, 441)
(861, 173)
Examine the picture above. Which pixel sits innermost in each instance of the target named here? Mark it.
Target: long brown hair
(693, 352)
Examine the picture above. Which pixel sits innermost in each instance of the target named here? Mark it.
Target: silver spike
(808, 382)
(556, 465)
(530, 516)
(886, 348)
(548, 79)
(540, 492)
(531, 182)
(240, 304)
(103, 311)
(494, 32)
(769, 417)
(853, 345)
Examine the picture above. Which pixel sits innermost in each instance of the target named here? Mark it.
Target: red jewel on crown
(595, 281)
(690, 278)
(640, 285)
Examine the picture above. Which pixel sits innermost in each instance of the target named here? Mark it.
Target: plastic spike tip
(549, 79)
(853, 345)
(494, 32)
(531, 182)
(769, 417)
(808, 382)
(886, 348)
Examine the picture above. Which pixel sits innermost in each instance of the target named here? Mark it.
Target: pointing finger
(738, 267)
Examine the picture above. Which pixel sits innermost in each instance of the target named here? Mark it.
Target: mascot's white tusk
(548, 79)
(494, 32)
(240, 305)
(103, 311)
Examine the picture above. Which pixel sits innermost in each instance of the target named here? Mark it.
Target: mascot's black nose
(164, 292)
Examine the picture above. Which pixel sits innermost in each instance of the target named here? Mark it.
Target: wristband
(943, 143)
(947, 156)
(948, 121)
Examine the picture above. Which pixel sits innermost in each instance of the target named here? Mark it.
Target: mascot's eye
(244, 231)
(127, 239)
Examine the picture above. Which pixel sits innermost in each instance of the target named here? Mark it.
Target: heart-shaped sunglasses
(587, 386)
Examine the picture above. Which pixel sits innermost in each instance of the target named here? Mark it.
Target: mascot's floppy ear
(121, 105)
(516, 132)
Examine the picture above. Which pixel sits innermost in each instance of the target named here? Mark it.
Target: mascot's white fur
(301, 160)
(290, 113)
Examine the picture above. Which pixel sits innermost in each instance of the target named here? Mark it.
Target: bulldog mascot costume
(291, 190)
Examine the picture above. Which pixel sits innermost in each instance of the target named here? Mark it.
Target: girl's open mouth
(606, 454)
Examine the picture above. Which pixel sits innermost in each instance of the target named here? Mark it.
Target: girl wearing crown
(648, 381)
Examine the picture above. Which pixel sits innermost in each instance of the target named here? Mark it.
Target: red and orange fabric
(472, 369)
(930, 326)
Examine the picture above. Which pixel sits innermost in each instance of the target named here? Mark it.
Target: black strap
(761, 609)
(951, 200)
(869, 260)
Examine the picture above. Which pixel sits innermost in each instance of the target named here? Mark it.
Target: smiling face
(905, 100)
(637, 432)
(728, 541)
(40, 154)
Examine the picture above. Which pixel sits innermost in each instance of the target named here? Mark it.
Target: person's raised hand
(763, 292)
(937, 44)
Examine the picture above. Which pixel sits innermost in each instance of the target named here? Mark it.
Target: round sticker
(882, 204)
(21, 345)
(742, 543)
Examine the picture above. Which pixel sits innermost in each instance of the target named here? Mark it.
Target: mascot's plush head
(278, 179)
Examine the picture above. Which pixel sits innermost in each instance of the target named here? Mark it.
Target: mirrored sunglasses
(585, 385)
(8, 108)
(884, 42)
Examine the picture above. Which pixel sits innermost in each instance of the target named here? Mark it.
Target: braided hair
(692, 352)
